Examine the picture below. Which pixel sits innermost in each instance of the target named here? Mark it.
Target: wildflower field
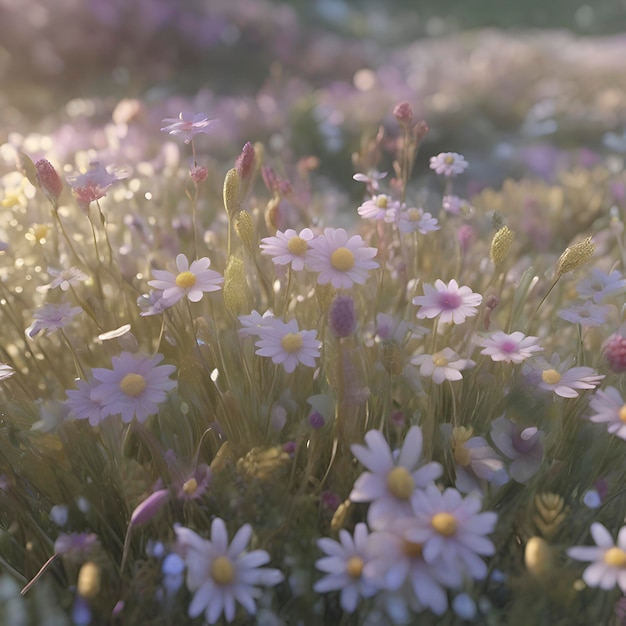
(299, 325)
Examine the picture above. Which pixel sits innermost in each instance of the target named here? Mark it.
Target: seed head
(575, 256)
(231, 192)
(501, 245)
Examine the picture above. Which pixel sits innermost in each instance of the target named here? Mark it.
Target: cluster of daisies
(412, 534)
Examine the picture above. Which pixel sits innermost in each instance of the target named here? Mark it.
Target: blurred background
(518, 87)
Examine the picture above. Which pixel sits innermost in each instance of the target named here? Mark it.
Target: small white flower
(380, 207)
(608, 567)
(555, 376)
(287, 248)
(512, 348)
(412, 219)
(219, 574)
(586, 314)
(448, 164)
(391, 481)
(443, 365)
(66, 278)
(610, 409)
(600, 285)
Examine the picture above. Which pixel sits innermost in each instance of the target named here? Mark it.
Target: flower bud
(575, 256)
(89, 577)
(149, 507)
(198, 174)
(537, 556)
(246, 162)
(49, 180)
(231, 192)
(403, 112)
(501, 245)
(342, 316)
(615, 353)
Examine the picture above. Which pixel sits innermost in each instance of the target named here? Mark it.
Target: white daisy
(190, 281)
(340, 259)
(219, 574)
(443, 365)
(288, 247)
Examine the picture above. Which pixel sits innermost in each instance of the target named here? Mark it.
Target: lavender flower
(187, 126)
(524, 446)
(52, 317)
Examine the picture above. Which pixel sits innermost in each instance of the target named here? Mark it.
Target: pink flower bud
(48, 179)
(198, 174)
(615, 353)
(403, 112)
(149, 507)
(245, 162)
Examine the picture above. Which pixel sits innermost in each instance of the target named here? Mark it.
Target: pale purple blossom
(187, 126)
(287, 345)
(371, 179)
(6, 371)
(93, 184)
(450, 302)
(475, 460)
(601, 285)
(153, 303)
(557, 377)
(340, 259)
(191, 280)
(455, 205)
(66, 278)
(400, 563)
(524, 446)
(346, 566)
(135, 386)
(288, 248)
(452, 530)
(586, 314)
(509, 347)
(254, 323)
(380, 207)
(220, 574)
(443, 365)
(448, 164)
(608, 559)
(416, 220)
(609, 408)
(81, 403)
(52, 317)
(391, 480)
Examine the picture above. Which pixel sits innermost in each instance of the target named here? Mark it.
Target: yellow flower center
(622, 414)
(186, 280)
(449, 160)
(413, 214)
(40, 231)
(400, 483)
(296, 245)
(291, 342)
(615, 557)
(412, 549)
(190, 486)
(222, 571)
(342, 259)
(439, 360)
(551, 377)
(444, 524)
(354, 567)
(381, 202)
(133, 385)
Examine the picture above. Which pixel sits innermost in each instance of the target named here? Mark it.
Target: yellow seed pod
(235, 287)
(341, 515)
(575, 256)
(271, 213)
(88, 585)
(245, 230)
(231, 193)
(325, 294)
(501, 245)
(538, 557)
(551, 513)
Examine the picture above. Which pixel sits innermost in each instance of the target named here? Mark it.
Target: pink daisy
(414, 219)
(93, 184)
(451, 302)
(512, 348)
(285, 344)
(191, 280)
(288, 247)
(341, 260)
(134, 387)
